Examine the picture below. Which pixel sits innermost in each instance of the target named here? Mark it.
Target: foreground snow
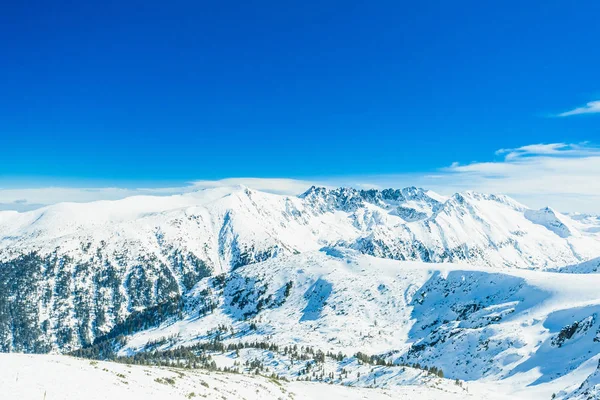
(48, 377)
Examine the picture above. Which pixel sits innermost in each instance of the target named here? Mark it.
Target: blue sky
(155, 94)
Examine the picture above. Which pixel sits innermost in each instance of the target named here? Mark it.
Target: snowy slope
(551, 220)
(34, 377)
(589, 389)
(533, 333)
(71, 272)
(391, 284)
(586, 267)
(228, 227)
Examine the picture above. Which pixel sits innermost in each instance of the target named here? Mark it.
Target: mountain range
(391, 286)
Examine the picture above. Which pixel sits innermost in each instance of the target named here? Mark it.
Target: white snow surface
(499, 296)
(530, 333)
(46, 377)
(216, 225)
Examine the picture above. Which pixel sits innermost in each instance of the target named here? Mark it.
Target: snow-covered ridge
(409, 223)
(85, 267)
(552, 220)
(459, 283)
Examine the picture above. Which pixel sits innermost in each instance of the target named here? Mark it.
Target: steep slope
(589, 389)
(71, 272)
(550, 219)
(586, 267)
(535, 333)
(230, 227)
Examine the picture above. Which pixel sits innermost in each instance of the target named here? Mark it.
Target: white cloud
(590, 108)
(30, 198)
(271, 185)
(560, 175)
(564, 176)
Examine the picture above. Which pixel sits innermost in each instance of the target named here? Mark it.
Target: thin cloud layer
(592, 107)
(32, 198)
(552, 149)
(271, 185)
(560, 175)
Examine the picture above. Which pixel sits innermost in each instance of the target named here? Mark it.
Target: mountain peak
(373, 195)
(551, 220)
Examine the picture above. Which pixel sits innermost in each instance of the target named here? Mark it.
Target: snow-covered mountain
(72, 271)
(230, 227)
(533, 333)
(376, 288)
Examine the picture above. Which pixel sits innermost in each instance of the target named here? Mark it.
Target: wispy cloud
(592, 107)
(536, 150)
(561, 175)
(24, 199)
(271, 185)
(558, 174)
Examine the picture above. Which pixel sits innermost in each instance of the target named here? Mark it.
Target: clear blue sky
(154, 90)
